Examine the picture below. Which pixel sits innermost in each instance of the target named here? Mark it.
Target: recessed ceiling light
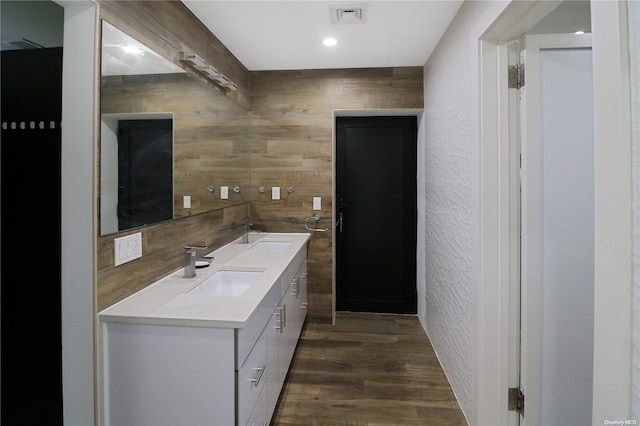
(329, 41)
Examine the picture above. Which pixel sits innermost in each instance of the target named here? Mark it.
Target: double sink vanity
(209, 350)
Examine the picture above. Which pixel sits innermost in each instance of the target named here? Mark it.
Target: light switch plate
(317, 203)
(224, 192)
(275, 193)
(127, 248)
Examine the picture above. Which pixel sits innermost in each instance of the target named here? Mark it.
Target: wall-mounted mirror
(168, 141)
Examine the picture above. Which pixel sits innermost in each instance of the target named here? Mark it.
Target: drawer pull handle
(279, 323)
(284, 316)
(260, 371)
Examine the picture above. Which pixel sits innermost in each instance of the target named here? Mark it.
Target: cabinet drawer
(251, 379)
(299, 259)
(290, 272)
(247, 336)
(259, 414)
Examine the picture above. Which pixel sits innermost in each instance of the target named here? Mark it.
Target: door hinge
(516, 400)
(516, 76)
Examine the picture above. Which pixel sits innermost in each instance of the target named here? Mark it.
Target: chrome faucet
(245, 232)
(190, 259)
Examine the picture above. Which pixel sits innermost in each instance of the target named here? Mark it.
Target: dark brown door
(376, 214)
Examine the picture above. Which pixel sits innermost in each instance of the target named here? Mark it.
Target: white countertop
(166, 301)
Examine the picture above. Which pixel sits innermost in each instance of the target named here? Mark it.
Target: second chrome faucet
(245, 233)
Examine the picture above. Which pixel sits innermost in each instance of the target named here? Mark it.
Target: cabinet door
(289, 336)
(251, 380)
(302, 293)
(259, 415)
(273, 385)
(299, 300)
(282, 346)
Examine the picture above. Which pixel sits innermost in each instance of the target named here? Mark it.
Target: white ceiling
(287, 35)
(281, 35)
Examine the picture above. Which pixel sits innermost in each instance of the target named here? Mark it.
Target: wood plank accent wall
(167, 27)
(291, 142)
(211, 135)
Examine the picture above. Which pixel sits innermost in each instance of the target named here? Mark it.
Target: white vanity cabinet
(284, 332)
(156, 373)
(166, 375)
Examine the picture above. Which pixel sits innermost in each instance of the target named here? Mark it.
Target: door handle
(340, 222)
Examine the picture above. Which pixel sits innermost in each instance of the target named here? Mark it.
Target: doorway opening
(504, 212)
(31, 148)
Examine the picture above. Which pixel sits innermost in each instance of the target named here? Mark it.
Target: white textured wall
(450, 122)
(448, 191)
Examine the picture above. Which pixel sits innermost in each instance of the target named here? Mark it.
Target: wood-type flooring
(366, 370)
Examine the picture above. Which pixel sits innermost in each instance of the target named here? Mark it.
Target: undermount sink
(227, 283)
(276, 246)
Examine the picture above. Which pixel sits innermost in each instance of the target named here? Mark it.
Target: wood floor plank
(366, 370)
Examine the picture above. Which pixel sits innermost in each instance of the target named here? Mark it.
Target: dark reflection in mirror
(210, 145)
(145, 172)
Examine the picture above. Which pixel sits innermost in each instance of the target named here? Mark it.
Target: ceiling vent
(349, 13)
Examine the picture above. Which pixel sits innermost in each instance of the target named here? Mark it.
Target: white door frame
(494, 264)
(612, 150)
(80, 66)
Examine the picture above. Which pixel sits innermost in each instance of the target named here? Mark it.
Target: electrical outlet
(224, 192)
(186, 201)
(275, 193)
(317, 203)
(127, 248)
